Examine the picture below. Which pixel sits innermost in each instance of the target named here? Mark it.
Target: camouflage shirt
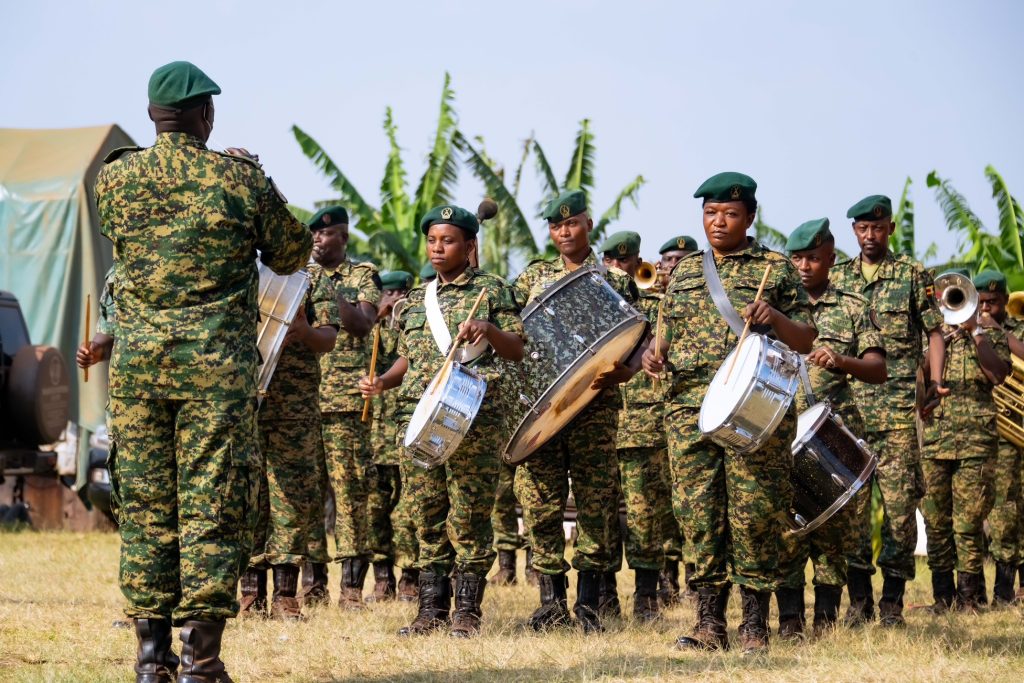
(384, 437)
(643, 399)
(342, 368)
(292, 394)
(186, 224)
(107, 321)
(699, 339)
(903, 301)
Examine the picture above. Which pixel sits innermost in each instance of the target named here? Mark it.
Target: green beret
(727, 187)
(990, 281)
(396, 279)
(809, 235)
(427, 271)
(451, 215)
(871, 208)
(569, 203)
(621, 244)
(327, 216)
(180, 83)
(681, 243)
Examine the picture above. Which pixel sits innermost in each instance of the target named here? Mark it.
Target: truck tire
(38, 394)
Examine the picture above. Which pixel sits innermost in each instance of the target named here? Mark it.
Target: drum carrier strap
(439, 328)
(718, 294)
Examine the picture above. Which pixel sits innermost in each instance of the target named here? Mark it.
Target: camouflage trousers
(648, 498)
(675, 546)
(289, 450)
(185, 478)
(826, 547)
(1005, 520)
(731, 506)
(585, 451)
(901, 483)
(504, 517)
(353, 476)
(959, 498)
(392, 532)
(451, 504)
(316, 525)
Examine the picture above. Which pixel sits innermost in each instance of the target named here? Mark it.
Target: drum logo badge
(564, 210)
(446, 212)
(736, 192)
(622, 249)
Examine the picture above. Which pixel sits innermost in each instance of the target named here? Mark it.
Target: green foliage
(767, 235)
(903, 239)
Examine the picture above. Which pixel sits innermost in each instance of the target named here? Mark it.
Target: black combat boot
(532, 575)
(469, 594)
(155, 661)
(384, 586)
(506, 574)
(943, 592)
(588, 592)
(554, 609)
(668, 584)
(200, 653)
(710, 631)
(754, 626)
(890, 605)
(791, 613)
(409, 585)
(608, 597)
(435, 600)
(314, 584)
(1002, 591)
(285, 605)
(826, 609)
(353, 574)
(862, 601)
(254, 593)
(645, 597)
(969, 590)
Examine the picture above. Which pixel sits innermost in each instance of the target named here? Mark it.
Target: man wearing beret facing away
(671, 253)
(848, 346)
(901, 294)
(186, 224)
(731, 506)
(452, 502)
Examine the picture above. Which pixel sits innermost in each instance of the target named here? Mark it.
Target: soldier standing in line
(452, 502)
(507, 540)
(960, 447)
(584, 449)
(347, 449)
(186, 223)
(849, 346)
(900, 292)
(731, 505)
(672, 252)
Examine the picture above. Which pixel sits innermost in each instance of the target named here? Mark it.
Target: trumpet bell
(1015, 306)
(646, 275)
(957, 296)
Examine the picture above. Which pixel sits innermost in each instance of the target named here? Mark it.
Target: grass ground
(59, 597)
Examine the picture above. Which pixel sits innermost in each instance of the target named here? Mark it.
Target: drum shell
(447, 419)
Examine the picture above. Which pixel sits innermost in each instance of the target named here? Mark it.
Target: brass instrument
(1015, 306)
(646, 275)
(1009, 398)
(396, 312)
(958, 298)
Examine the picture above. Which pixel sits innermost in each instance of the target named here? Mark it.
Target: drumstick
(88, 314)
(455, 347)
(657, 334)
(746, 328)
(373, 370)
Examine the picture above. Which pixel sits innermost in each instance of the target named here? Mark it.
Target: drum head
(808, 422)
(425, 408)
(722, 397)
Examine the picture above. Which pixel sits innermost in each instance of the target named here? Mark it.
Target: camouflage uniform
(347, 449)
(903, 302)
(1007, 511)
(731, 507)
(844, 325)
(584, 450)
(504, 518)
(290, 441)
(186, 223)
(959, 457)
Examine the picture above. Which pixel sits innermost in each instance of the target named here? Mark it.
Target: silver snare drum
(742, 413)
(280, 297)
(444, 415)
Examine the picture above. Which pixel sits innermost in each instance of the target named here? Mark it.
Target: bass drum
(578, 328)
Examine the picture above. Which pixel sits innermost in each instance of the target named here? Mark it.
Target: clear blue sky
(821, 102)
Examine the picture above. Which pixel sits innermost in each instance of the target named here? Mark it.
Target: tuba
(1009, 398)
(958, 298)
(1015, 306)
(646, 275)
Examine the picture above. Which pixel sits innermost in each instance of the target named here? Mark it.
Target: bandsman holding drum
(731, 506)
(452, 501)
(900, 292)
(849, 346)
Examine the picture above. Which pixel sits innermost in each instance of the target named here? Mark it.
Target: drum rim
(558, 284)
(414, 447)
(731, 415)
(801, 440)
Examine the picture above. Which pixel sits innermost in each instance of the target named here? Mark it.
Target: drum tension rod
(583, 342)
(525, 400)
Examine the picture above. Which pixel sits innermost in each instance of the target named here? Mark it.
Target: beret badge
(877, 211)
(327, 219)
(563, 210)
(446, 212)
(735, 192)
(623, 248)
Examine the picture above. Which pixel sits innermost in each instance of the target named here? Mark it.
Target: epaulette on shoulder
(115, 154)
(370, 265)
(239, 157)
(490, 276)
(855, 296)
(617, 271)
(845, 262)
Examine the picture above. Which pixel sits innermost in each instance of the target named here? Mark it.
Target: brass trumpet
(958, 298)
(646, 275)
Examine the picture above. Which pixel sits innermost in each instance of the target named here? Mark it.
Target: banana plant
(903, 239)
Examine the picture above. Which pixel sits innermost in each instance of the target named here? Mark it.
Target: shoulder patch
(115, 154)
(367, 264)
(240, 157)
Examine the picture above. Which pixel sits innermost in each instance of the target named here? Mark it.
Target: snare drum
(444, 415)
(578, 328)
(830, 465)
(279, 302)
(742, 413)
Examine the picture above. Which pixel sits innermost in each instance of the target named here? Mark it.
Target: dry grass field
(59, 598)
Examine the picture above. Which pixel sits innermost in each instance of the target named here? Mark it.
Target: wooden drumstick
(657, 334)
(746, 328)
(88, 315)
(458, 342)
(373, 371)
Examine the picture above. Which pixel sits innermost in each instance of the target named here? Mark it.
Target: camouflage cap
(990, 281)
(681, 243)
(180, 85)
(427, 271)
(871, 208)
(451, 215)
(328, 216)
(567, 204)
(621, 244)
(727, 187)
(395, 279)
(809, 235)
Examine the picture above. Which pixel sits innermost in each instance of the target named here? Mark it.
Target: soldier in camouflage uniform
(583, 450)
(671, 253)
(290, 447)
(960, 446)
(348, 452)
(186, 223)
(848, 346)
(1005, 519)
(98, 348)
(731, 505)
(900, 292)
(452, 501)
(392, 533)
